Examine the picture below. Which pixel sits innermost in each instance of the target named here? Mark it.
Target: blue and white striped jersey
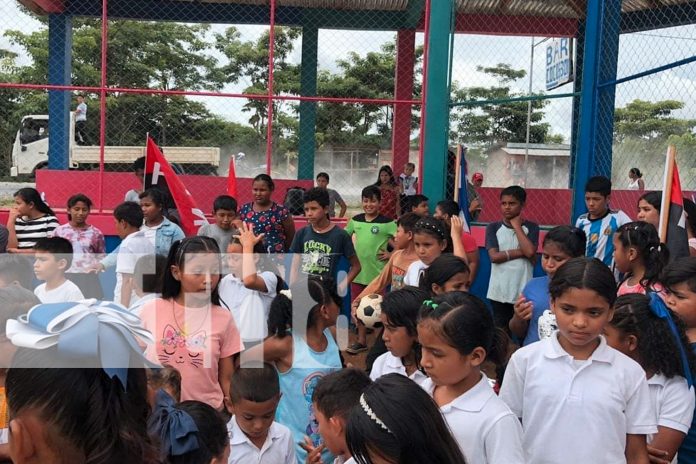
(600, 234)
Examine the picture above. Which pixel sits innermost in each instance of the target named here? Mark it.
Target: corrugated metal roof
(370, 5)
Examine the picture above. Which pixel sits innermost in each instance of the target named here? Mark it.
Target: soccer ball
(369, 310)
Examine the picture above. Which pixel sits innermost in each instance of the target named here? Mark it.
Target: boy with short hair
(512, 246)
(147, 280)
(372, 232)
(679, 281)
(445, 210)
(318, 246)
(600, 222)
(408, 183)
(139, 172)
(417, 203)
(226, 223)
(52, 257)
(254, 434)
(128, 217)
(16, 269)
(333, 398)
(334, 196)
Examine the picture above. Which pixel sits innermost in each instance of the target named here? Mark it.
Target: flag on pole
(232, 180)
(672, 217)
(461, 195)
(158, 173)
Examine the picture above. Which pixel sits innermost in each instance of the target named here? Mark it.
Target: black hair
(130, 212)
(412, 165)
(92, 415)
(254, 383)
(464, 322)
(681, 270)
(636, 172)
(16, 268)
(79, 197)
(411, 201)
(584, 272)
(690, 210)
(401, 308)
(515, 191)
(642, 236)
(31, 195)
(654, 199)
(416, 431)
(371, 191)
(324, 175)
(212, 434)
(442, 269)
(157, 195)
(435, 228)
(448, 207)
(388, 170)
(148, 272)
(408, 221)
(58, 246)
(571, 240)
(338, 392)
(225, 202)
(317, 194)
(658, 350)
(163, 378)
(139, 164)
(320, 291)
(177, 257)
(598, 184)
(267, 179)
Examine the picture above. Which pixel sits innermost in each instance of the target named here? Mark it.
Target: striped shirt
(30, 230)
(600, 234)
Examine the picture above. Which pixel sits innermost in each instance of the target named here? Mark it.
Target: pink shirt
(625, 289)
(195, 352)
(88, 245)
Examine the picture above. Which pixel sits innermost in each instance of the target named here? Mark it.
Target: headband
(430, 226)
(371, 414)
(658, 308)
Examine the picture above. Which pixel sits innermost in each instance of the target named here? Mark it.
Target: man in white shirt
(53, 256)
(81, 121)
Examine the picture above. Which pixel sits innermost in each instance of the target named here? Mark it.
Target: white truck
(30, 152)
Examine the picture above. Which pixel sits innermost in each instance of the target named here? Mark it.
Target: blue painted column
(595, 130)
(308, 109)
(59, 69)
(436, 129)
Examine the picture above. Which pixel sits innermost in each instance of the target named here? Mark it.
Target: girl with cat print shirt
(192, 332)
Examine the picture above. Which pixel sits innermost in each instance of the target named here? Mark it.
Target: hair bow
(176, 429)
(658, 307)
(100, 330)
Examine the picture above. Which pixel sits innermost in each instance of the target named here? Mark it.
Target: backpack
(293, 200)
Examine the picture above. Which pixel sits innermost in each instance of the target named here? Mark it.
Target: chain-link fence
(281, 89)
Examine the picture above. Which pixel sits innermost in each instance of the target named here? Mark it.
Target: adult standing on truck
(81, 121)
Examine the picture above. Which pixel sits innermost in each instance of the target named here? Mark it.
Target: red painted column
(403, 90)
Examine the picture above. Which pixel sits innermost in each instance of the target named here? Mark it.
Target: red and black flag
(672, 215)
(159, 173)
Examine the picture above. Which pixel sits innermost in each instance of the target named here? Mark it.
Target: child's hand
(14, 214)
(457, 226)
(95, 268)
(475, 205)
(523, 308)
(383, 255)
(313, 453)
(247, 237)
(516, 222)
(657, 456)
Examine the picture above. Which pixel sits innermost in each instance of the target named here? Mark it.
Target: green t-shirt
(370, 238)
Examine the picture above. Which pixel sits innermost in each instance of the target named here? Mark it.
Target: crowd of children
(235, 353)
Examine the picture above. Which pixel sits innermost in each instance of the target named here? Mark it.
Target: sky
(638, 52)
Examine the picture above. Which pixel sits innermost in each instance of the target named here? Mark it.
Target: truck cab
(30, 149)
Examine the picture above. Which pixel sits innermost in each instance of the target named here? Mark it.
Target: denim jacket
(166, 235)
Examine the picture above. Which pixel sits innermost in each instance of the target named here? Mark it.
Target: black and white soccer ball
(369, 310)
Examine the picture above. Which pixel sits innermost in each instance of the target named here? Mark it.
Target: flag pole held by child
(672, 226)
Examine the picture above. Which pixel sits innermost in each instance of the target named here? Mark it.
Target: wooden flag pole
(670, 159)
(458, 174)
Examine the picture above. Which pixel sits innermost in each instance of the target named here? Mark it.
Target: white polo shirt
(278, 448)
(387, 363)
(674, 402)
(485, 429)
(577, 411)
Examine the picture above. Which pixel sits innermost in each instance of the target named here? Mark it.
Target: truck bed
(184, 155)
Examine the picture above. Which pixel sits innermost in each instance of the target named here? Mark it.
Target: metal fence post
(59, 71)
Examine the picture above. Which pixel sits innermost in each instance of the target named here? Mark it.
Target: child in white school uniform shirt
(579, 400)
(457, 335)
(399, 317)
(52, 257)
(255, 436)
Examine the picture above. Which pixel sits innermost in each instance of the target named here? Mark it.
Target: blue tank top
(297, 386)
